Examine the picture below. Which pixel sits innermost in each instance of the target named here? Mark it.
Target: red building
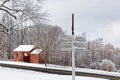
(36, 56)
(28, 53)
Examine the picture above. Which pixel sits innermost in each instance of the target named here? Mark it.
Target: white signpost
(68, 45)
(73, 50)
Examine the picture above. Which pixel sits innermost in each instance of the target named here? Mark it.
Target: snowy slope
(18, 74)
(64, 68)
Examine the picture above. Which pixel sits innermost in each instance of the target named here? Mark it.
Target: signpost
(69, 45)
(73, 50)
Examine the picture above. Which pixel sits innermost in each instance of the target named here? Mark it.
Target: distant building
(28, 53)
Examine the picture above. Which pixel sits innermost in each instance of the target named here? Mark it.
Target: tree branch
(18, 23)
(3, 32)
(4, 2)
(10, 9)
(8, 12)
(4, 26)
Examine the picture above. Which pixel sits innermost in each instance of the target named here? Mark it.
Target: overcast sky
(97, 18)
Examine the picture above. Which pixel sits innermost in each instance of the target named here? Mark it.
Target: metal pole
(73, 51)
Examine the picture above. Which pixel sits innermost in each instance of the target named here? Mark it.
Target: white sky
(97, 18)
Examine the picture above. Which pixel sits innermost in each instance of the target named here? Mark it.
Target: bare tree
(46, 37)
(19, 13)
(109, 51)
(22, 12)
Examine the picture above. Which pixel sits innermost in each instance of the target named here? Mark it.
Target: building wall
(34, 58)
(20, 57)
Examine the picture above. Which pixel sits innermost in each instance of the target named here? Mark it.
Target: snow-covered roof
(36, 51)
(24, 48)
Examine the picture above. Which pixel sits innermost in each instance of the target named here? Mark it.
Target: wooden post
(72, 24)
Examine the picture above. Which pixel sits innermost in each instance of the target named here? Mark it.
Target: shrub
(94, 65)
(107, 65)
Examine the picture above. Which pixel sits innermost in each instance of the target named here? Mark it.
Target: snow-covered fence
(62, 70)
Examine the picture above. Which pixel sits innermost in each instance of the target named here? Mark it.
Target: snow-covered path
(18, 74)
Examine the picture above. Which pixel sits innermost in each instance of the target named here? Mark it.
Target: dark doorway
(25, 57)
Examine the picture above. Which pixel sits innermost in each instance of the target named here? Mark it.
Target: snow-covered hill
(18, 74)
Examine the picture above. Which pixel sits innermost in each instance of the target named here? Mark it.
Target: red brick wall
(18, 56)
(34, 58)
(14, 56)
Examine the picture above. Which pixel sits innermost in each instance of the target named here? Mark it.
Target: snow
(22, 63)
(25, 54)
(24, 48)
(18, 74)
(36, 51)
(63, 68)
(85, 70)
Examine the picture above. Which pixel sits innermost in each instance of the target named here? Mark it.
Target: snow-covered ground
(63, 68)
(18, 74)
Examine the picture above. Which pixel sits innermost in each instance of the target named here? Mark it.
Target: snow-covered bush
(118, 70)
(107, 65)
(94, 65)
